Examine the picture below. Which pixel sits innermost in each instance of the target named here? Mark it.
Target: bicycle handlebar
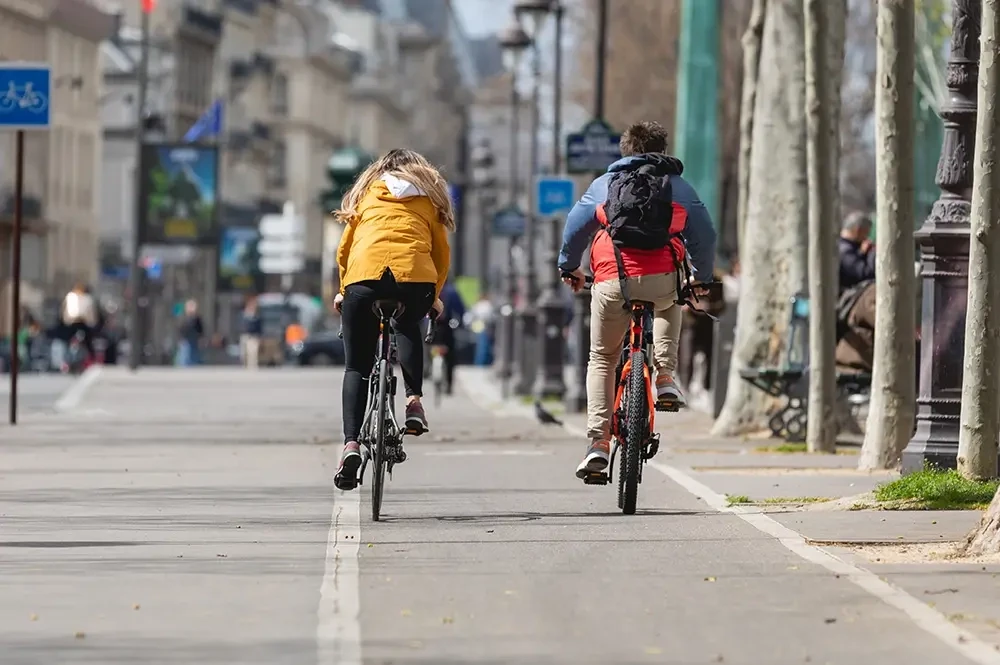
(431, 329)
(713, 288)
(587, 279)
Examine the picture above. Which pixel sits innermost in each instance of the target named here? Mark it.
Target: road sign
(554, 196)
(594, 148)
(24, 95)
(509, 222)
(282, 242)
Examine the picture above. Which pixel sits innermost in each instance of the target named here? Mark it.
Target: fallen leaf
(371, 544)
(447, 620)
(489, 531)
(406, 613)
(135, 606)
(79, 635)
(709, 579)
(33, 617)
(654, 651)
(829, 620)
(222, 556)
(793, 568)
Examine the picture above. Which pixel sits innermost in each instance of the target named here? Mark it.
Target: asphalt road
(36, 392)
(188, 516)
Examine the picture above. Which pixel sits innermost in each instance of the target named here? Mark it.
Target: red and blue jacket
(585, 222)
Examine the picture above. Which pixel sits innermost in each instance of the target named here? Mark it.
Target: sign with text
(554, 196)
(179, 198)
(509, 222)
(593, 149)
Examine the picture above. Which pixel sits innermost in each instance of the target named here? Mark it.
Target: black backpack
(639, 205)
(639, 210)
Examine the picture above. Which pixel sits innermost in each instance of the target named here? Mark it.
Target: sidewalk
(800, 491)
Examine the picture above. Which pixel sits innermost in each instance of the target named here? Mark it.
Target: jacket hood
(668, 163)
(393, 188)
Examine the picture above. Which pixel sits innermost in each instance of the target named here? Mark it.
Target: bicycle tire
(378, 468)
(621, 477)
(636, 424)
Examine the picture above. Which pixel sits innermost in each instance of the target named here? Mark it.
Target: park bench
(789, 382)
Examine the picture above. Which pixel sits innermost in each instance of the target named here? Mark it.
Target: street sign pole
(25, 104)
(15, 305)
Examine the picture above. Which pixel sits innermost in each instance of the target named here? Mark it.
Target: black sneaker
(346, 477)
(416, 421)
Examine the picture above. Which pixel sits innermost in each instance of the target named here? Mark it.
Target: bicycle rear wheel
(378, 468)
(636, 424)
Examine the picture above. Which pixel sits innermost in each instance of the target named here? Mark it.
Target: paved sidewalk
(188, 516)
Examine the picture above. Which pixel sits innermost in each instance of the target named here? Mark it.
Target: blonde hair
(406, 165)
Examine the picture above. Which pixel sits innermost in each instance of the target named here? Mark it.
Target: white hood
(401, 189)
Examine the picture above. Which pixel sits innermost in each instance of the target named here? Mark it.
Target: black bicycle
(381, 436)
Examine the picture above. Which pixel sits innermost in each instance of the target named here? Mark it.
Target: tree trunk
(980, 424)
(776, 213)
(821, 433)
(985, 539)
(891, 412)
(751, 74)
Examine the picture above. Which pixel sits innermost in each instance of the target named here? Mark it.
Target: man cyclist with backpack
(649, 235)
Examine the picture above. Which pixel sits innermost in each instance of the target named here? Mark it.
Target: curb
(70, 399)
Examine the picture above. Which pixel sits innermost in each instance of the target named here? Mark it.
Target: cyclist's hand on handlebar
(699, 289)
(574, 280)
(438, 308)
(338, 302)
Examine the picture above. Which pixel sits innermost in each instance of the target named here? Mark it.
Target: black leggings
(360, 324)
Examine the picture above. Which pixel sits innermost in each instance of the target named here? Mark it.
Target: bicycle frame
(639, 338)
(386, 347)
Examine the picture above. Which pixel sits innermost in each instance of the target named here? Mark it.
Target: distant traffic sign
(509, 222)
(282, 242)
(594, 148)
(553, 196)
(24, 95)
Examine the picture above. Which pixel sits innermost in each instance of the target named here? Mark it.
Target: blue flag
(208, 125)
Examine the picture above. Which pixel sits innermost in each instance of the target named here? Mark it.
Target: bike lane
(491, 551)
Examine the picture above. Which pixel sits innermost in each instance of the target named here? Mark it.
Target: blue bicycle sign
(25, 90)
(25, 98)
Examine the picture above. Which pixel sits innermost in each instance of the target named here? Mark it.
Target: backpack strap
(684, 291)
(622, 276)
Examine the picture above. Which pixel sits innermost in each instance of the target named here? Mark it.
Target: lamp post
(532, 13)
(484, 182)
(552, 383)
(944, 263)
(576, 399)
(513, 41)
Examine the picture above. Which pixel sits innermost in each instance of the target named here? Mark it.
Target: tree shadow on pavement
(534, 516)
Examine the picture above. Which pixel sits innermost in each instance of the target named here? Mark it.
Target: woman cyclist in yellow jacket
(398, 214)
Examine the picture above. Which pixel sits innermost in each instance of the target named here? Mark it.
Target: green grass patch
(934, 489)
(790, 448)
(778, 500)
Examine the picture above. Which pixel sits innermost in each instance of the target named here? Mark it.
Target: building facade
(61, 174)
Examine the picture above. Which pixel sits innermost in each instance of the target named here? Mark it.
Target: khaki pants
(250, 350)
(609, 322)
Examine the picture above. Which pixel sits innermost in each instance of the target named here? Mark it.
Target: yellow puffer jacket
(401, 234)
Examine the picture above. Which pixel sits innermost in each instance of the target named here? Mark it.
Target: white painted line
(71, 398)
(923, 615)
(338, 630)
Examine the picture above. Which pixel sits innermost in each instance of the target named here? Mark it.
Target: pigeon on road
(544, 417)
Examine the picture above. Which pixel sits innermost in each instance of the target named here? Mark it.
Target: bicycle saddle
(387, 307)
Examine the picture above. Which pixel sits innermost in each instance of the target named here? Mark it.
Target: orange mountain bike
(634, 440)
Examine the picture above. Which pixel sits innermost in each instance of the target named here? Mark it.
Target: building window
(276, 171)
(279, 95)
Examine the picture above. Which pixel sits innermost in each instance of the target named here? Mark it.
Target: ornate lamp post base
(526, 350)
(944, 262)
(576, 397)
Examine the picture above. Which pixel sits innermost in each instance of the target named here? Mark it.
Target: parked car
(323, 347)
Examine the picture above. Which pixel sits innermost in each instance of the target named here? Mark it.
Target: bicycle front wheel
(636, 426)
(381, 415)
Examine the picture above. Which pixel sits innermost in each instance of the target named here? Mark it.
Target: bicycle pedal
(669, 407)
(596, 479)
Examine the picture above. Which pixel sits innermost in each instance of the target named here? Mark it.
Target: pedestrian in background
(250, 339)
(80, 315)
(191, 331)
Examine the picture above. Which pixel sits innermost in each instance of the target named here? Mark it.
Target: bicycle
(30, 99)
(381, 436)
(635, 403)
